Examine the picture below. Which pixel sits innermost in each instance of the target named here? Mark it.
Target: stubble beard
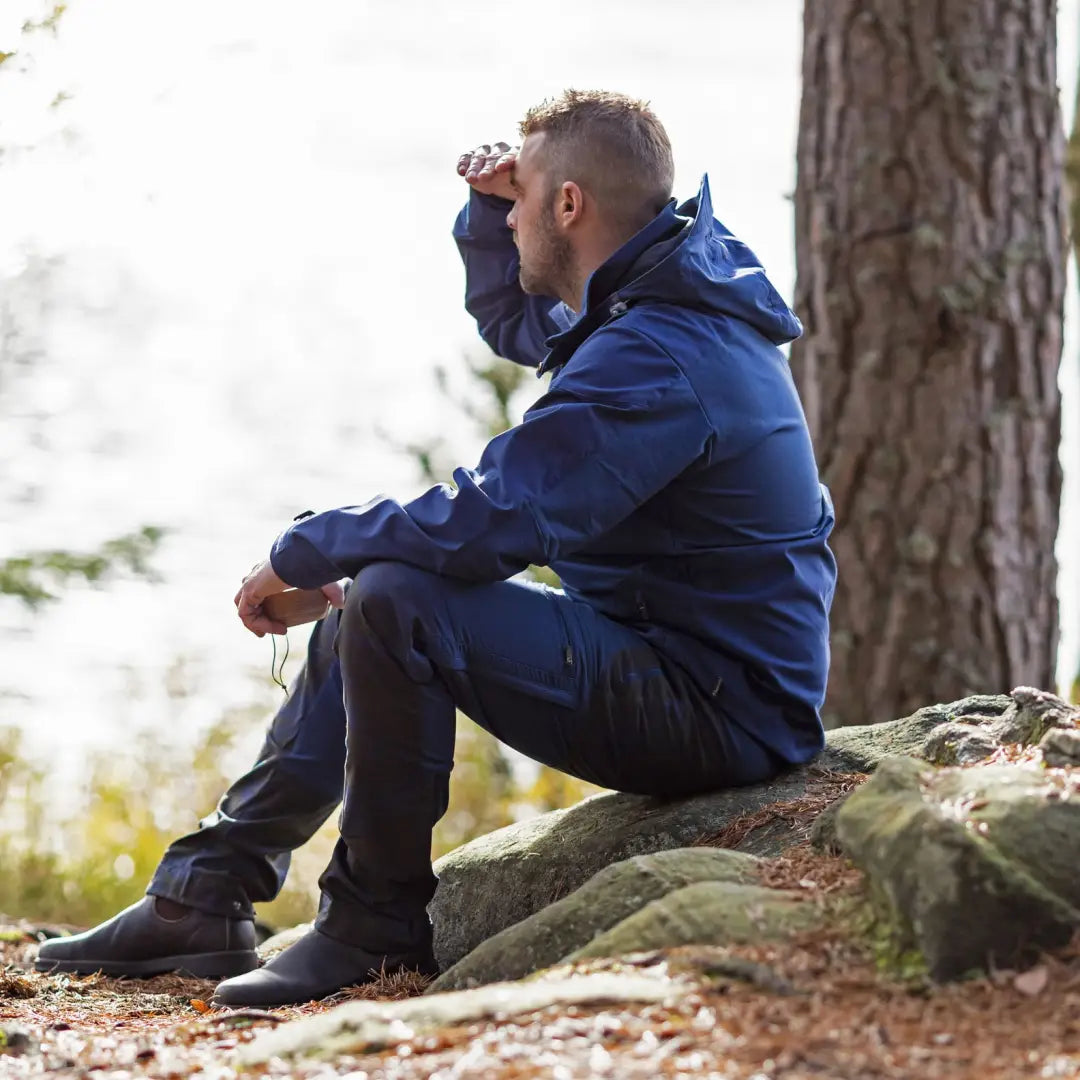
(548, 269)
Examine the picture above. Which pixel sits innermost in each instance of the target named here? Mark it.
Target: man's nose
(511, 218)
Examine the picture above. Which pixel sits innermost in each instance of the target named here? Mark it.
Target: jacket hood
(683, 256)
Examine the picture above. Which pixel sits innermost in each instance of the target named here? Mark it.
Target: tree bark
(1072, 179)
(931, 245)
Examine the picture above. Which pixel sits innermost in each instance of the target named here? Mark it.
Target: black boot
(312, 968)
(141, 942)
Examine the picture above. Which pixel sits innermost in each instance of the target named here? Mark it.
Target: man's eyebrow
(514, 180)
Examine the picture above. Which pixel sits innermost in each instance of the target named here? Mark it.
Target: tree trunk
(930, 242)
(1072, 178)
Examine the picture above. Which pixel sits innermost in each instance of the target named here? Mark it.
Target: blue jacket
(666, 475)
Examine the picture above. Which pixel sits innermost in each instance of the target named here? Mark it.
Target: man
(666, 475)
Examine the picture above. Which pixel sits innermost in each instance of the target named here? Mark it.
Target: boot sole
(210, 965)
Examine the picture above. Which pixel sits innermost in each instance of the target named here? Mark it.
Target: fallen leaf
(199, 1005)
(1033, 981)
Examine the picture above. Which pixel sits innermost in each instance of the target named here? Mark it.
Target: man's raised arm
(512, 323)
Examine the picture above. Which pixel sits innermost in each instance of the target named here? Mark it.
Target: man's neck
(593, 253)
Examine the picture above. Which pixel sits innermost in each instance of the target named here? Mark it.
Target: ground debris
(16, 984)
(389, 986)
(843, 1020)
(825, 789)
(717, 963)
(802, 869)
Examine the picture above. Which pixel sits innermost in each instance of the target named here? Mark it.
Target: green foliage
(83, 861)
(49, 22)
(86, 858)
(34, 577)
(501, 380)
(873, 919)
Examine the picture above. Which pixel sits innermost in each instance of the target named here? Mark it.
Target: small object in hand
(296, 606)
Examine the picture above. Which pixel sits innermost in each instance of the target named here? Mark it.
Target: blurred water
(227, 267)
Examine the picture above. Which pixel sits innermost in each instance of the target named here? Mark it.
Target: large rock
(604, 900)
(1032, 715)
(1061, 747)
(709, 913)
(978, 866)
(499, 879)
(860, 749)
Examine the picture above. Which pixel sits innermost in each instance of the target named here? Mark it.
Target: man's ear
(570, 205)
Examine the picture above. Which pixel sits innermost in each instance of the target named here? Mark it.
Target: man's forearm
(514, 325)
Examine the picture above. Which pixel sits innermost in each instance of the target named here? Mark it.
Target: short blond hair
(613, 145)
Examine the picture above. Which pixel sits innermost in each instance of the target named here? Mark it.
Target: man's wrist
(299, 563)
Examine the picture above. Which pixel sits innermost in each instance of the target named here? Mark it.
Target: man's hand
(488, 168)
(335, 592)
(260, 582)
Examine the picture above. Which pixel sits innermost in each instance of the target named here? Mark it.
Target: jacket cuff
(300, 564)
(482, 215)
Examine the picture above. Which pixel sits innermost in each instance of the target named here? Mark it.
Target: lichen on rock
(978, 865)
(1061, 747)
(708, 913)
(502, 879)
(605, 899)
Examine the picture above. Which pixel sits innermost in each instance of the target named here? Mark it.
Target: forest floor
(824, 1011)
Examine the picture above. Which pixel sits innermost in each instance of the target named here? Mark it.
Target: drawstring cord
(278, 673)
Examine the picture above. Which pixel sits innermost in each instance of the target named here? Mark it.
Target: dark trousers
(370, 722)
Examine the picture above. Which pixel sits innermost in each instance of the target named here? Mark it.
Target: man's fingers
(261, 624)
(251, 622)
(464, 162)
(249, 608)
(259, 583)
(477, 159)
(505, 162)
(487, 166)
(500, 153)
(486, 159)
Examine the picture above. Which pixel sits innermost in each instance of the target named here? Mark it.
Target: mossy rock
(957, 743)
(500, 879)
(603, 901)
(860, 748)
(822, 834)
(978, 865)
(1061, 748)
(708, 913)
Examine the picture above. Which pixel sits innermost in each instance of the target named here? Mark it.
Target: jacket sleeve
(512, 323)
(617, 425)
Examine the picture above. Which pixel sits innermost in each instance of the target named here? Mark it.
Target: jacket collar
(610, 285)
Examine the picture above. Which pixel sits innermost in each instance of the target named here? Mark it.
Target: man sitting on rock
(666, 475)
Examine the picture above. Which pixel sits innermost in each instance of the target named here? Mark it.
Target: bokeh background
(226, 283)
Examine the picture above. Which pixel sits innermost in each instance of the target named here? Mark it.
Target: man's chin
(532, 287)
